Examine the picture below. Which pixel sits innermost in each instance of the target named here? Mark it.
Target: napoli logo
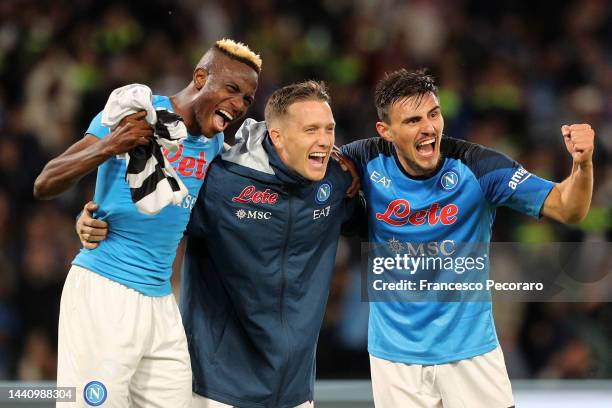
(94, 393)
(323, 193)
(449, 180)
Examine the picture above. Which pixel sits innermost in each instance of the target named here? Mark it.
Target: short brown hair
(282, 98)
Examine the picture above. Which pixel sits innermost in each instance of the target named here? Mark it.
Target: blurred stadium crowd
(510, 74)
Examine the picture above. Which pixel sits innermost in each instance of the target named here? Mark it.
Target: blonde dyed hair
(240, 52)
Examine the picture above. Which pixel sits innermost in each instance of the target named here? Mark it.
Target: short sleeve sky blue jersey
(140, 249)
(457, 203)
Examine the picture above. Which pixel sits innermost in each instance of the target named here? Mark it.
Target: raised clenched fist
(580, 141)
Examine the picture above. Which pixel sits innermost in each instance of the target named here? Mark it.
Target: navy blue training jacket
(257, 271)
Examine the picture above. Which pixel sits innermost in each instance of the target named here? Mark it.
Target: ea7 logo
(518, 177)
(378, 178)
(255, 215)
(318, 213)
(398, 213)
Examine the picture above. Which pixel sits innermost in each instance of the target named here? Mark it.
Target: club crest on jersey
(398, 214)
(323, 192)
(449, 180)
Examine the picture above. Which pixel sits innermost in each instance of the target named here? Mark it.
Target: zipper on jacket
(282, 298)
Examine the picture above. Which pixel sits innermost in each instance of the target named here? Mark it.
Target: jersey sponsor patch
(398, 213)
(320, 212)
(519, 177)
(253, 214)
(380, 179)
(187, 166)
(249, 194)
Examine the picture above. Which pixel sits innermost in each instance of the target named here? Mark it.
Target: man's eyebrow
(409, 118)
(319, 124)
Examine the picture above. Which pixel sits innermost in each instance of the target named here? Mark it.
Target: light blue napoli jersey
(140, 249)
(457, 204)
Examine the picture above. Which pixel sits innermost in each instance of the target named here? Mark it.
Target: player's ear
(275, 136)
(383, 130)
(200, 75)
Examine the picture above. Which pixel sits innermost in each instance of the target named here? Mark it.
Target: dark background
(510, 74)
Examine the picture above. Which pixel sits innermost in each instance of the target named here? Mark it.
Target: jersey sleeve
(506, 183)
(361, 152)
(356, 152)
(95, 127)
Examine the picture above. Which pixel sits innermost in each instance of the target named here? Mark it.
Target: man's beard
(423, 172)
(430, 172)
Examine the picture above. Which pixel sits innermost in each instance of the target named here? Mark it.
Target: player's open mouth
(317, 159)
(426, 147)
(222, 119)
